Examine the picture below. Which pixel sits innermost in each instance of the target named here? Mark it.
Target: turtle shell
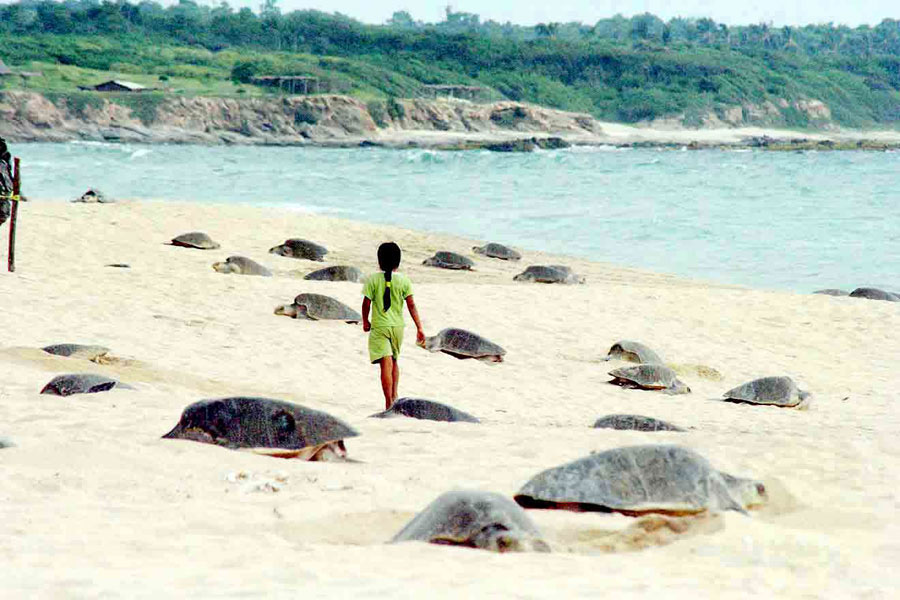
(874, 294)
(419, 408)
(76, 350)
(635, 352)
(775, 391)
(78, 383)
(242, 265)
(258, 423)
(462, 344)
(649, 377)
(449, 260)
(319, 307)
(548, 274)
(640, 479)
(195, 239)
(474, 519)
(336, 273)
(634, 423)
(494, 250)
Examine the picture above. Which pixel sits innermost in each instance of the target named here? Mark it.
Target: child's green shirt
(401, 289)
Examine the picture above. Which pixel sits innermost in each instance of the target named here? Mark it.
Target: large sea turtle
(80, 383)
(299, 248)
(649, 377)
(634, 423)
(266, 426)
(419, 408)
(874, 294)
(336, 273)
(460, 343)
(93, 196)
(449, 260)
(195, 239)
(549, 274)
(241, 265)
(494, 250)
(318, 308)
(475, 519)
(86, 351)
(641, 479)
(635, 352)
(775, 391)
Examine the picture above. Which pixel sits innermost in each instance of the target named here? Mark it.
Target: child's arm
(414, 313)
(365, 314)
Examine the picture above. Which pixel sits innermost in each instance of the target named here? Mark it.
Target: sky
(530, 12)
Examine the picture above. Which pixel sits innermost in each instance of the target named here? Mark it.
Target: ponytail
(388, 260)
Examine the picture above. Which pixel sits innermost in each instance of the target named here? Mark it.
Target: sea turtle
(649, 377)
(336, 273)
(460, 343)
(5, 442)
(77, 350)
(118, 265)
(241, 265)
(81, 383)
(494, 250)
(475, 519)
(449, 260)
(318, 308)
(634, 423)
(93, 196)
(641, 479)
(549, 274)
(874, 294)
(419, 408)
(635, 352)
(776, 391)
(195, 239)
(266, 426)
(299, 248)
(832, 292)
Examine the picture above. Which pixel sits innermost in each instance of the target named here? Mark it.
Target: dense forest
(626, 69)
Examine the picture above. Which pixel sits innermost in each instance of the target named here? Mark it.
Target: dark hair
(4, 152)
(388, 260)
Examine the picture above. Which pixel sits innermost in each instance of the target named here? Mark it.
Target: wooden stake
(16, 192)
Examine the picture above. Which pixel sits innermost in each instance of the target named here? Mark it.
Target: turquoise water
(798, 221)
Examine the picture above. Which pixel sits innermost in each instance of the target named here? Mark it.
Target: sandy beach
(95, 504)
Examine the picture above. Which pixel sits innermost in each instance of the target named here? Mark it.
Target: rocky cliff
(327, 119)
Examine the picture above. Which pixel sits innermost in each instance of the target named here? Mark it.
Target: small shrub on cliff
(76, 103)
(143, 105)
(395, 109)
(305, 114)
(378, 112)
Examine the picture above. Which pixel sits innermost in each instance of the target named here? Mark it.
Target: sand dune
(95, 504)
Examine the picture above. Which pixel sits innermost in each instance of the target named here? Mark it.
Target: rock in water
(460, 343)
(336, 273)
(449, 260)
(266, 426)
(317, 307)
(641, 479)
(242, 266)
(649, 377)
(475, 519)
(494, 250)
(419, 408)
(774, 391)
(195, 239)
(634, 423)
(80, 383)
(299, 248)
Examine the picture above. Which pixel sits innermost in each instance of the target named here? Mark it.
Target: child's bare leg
(395, 374)
(387, 380)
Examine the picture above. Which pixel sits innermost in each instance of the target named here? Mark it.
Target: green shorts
(385, 341)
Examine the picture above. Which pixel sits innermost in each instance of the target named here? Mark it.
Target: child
(385, 293)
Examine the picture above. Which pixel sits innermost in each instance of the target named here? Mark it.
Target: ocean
(792, 221)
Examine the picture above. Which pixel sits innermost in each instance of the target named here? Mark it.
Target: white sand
(95, 504)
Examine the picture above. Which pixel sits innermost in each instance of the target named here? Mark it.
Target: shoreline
(91, 470)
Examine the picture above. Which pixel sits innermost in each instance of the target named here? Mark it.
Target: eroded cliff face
(28, 116)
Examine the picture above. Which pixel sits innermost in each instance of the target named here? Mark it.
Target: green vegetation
(620, 69)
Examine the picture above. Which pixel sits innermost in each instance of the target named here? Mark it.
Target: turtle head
(280, 249)
(288, 310)
(224, 267)
(498, 538)
(433, 343)
(748, 492)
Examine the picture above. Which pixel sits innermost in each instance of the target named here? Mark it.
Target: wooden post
(16, 191)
